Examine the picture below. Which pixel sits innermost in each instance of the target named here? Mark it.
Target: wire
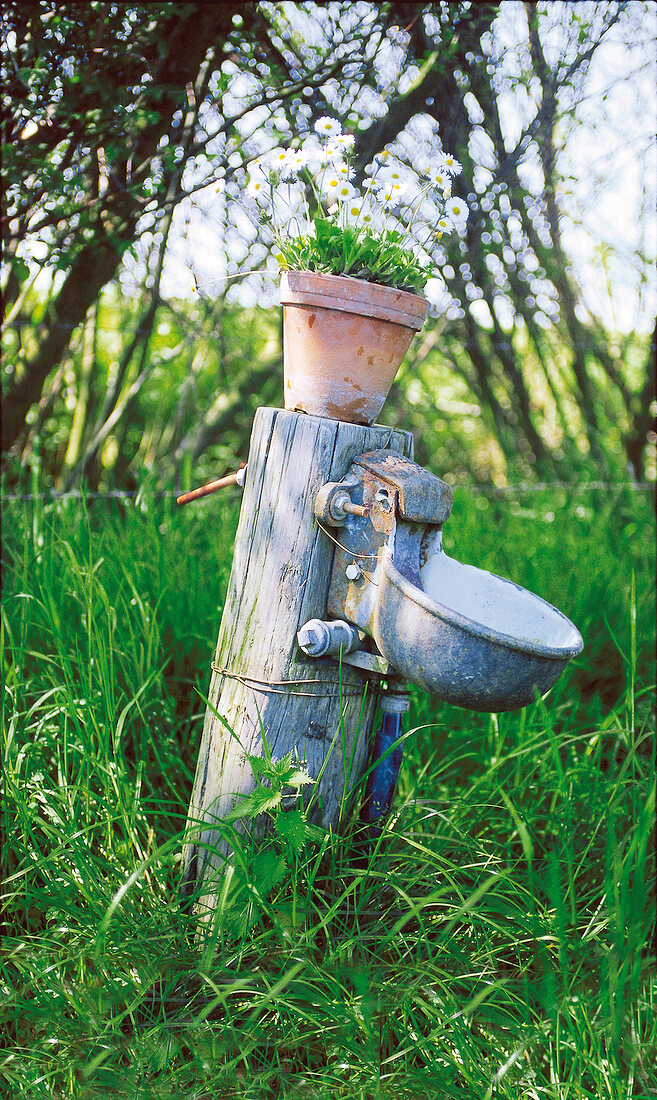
(278, 687)
(197, 330)
(485, 490)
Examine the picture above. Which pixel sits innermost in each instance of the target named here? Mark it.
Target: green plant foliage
(355, 251)
(273, 776)
(495, 942)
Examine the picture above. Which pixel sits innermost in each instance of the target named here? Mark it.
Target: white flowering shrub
(385, 232)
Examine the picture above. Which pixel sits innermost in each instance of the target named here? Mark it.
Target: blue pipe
(382, 780)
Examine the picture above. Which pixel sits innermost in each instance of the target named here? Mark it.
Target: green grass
(498, 941)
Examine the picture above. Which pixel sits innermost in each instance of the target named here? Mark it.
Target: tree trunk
(93, 267)
(197, 28)
(642, 418)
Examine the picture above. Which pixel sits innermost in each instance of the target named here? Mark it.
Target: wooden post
(279, 579)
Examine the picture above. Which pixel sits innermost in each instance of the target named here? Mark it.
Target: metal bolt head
(310, 637)
(353, 571)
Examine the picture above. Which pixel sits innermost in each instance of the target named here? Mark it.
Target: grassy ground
(497, 942)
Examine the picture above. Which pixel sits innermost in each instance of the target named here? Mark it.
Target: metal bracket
(380, 489)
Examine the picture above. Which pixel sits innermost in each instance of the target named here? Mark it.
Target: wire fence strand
(481, 490)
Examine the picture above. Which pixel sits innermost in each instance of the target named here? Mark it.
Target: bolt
(340, 506)
(353, 571)
(318, 638)
(310, 637)
(355, 509)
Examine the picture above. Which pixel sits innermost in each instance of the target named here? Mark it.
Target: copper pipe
(211, 487)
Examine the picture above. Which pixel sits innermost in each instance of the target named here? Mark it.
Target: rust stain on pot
(361, 350)
(347, 411)
(370, 360)
(311, 320)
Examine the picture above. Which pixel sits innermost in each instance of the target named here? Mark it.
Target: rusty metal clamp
(380, 489)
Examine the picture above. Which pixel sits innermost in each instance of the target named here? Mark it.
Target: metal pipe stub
(236, 478)
(318, 638)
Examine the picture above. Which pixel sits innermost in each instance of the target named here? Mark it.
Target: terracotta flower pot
(343, 341)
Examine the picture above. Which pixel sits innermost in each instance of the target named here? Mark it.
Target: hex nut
(309, 636)
(353, 571)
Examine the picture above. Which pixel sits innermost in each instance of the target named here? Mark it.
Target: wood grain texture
(279, 579)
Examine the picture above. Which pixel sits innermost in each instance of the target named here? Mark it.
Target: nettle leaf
(315, 832)
(282, 766)
(268, 869)
(259, 801)
(291, 826)
(265, 799)
(258, 765)
(245, 808)
(299, 778)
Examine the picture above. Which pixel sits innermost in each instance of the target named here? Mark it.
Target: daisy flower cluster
(385, 230)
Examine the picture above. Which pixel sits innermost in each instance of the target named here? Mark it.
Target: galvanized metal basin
(469, 636)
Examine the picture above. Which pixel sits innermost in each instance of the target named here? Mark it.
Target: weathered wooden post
(261, 680)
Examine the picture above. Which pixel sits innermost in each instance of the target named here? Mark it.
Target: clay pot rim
(350, 295)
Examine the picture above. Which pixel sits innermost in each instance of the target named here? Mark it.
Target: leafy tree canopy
(130, 128)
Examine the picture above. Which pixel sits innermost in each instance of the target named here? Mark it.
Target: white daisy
(278, 159)
(278, 156)
(339, 143)
(315, 154)
(392, 192)
(344, 191)
(457, 211)
(328, 127)
(360, 210)
(258, 187)
(353, 209)
(451, 164)
(392, 173)
(441, 178)
(297, 159)
(331, 181)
